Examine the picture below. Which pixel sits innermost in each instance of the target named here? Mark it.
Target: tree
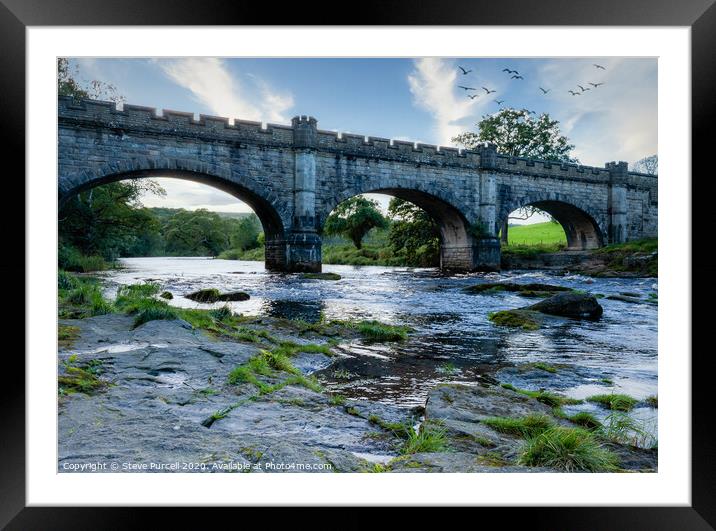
(68, 84)
(245, 234)
(108, 220)
(353, 219)
(648, 165)
(414, 235)
(517, 133)
(197, 233)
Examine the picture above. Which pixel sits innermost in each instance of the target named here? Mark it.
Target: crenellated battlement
(304, 133)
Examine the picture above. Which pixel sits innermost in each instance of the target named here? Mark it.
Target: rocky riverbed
(166, 396)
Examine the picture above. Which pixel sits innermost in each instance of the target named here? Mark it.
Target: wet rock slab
(166, 378)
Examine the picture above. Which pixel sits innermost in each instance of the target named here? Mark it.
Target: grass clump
(546, 397)
(270, 363)
(527, 426)
(429, 438)
(545, 367)
(568, 449)
(525, 320)
(623, 429)
(399, 429)
(652, 401)
(586, 420)
(616, 402)
(376, 331)
(82, 378)
(337, 400)
(81, 296)
(67, 334)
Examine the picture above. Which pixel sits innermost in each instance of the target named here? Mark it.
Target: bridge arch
(273, 216)
(456, 240)
(583, 229)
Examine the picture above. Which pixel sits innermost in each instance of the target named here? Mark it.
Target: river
(453, 340)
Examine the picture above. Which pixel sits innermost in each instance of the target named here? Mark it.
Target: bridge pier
(617, 201)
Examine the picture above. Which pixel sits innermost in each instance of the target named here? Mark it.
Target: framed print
(408, 262)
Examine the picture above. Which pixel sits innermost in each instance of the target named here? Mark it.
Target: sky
(404, 99)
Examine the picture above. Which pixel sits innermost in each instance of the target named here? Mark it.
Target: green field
(536, 234)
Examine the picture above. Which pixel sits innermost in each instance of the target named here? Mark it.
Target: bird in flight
(488, 90)
(510, 71)
(472, 96)
(599, 66)
(595, 85)
(544, 91)
(582, 88)
(464, 72)
(517, 77)
(466, 88)
(573, 93)
(499, 102)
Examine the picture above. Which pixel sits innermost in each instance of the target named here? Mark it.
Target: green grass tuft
(568, 449)
(430, 438)
(616, 402)
(526, 426)
(586, 420)
(545, 367)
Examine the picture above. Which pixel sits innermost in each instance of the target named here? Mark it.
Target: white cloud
(213, 85)
(192, 196)
(433, 84)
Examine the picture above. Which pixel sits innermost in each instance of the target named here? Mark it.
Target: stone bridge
(294, 175)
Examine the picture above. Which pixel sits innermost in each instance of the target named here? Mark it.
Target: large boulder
(233, 296)
(214, 295)
(570, 304)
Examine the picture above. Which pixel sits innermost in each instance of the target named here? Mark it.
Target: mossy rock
(210, 295)
(533, 289)
(524, 319)
(234, 296)
(321, 276)
(204, 295)
(573, 304)
(166, 295)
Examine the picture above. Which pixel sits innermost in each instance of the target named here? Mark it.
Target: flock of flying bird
(514, 74)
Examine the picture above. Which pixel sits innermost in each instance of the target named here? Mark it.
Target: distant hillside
(164, 213)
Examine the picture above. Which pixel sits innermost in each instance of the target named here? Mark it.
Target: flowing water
(453, 340)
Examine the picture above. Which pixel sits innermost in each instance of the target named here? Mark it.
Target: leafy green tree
(519, 134)
(516, 132)
(197, 233)
(353, 219)
(108, 220)
(414, 235)
(245, 235)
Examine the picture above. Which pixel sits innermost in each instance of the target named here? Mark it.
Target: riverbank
(230, 392)
(632, 259)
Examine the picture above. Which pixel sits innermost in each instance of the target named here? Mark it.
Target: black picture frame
(699, 15)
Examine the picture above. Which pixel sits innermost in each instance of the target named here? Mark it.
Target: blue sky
(406, 99)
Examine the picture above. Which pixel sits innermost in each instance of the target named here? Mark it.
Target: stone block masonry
(294, 175)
